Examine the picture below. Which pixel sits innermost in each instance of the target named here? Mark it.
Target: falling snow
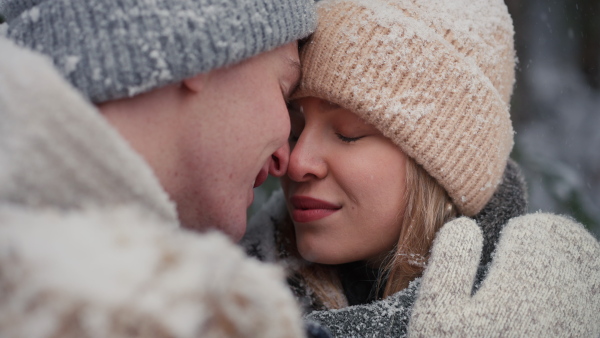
(34, 14)
(70, 63)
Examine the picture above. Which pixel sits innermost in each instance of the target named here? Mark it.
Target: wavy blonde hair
(427, 207)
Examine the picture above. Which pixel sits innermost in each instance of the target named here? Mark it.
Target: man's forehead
(288, 55)
(294, 66)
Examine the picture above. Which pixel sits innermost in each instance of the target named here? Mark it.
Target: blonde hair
(427, 207)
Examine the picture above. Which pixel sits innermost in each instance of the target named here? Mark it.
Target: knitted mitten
(544, 281)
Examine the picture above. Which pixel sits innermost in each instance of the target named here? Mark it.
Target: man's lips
(308, 209)
(262, 176)
(260, 179)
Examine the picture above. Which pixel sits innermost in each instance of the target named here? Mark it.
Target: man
(213, 138)
(177, 112)
(183, 84)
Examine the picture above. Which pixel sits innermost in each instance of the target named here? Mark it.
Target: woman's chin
(321, 255)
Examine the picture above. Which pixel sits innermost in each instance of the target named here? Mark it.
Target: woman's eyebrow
(328, 105)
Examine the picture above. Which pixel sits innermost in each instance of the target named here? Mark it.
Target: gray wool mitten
(544, 281)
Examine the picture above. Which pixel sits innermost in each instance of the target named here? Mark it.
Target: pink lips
(259, 180)
(308, 209)
(261, 177)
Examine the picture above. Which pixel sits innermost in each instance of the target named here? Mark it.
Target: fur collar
(57, 151)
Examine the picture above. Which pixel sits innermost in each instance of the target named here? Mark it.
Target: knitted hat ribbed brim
(111, 49)
(433, 76)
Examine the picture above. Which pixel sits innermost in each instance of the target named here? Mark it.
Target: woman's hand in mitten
(544, 280)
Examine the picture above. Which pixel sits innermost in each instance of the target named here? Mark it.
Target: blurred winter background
(555, 108)
(556, 105)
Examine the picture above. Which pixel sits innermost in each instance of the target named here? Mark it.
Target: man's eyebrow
(296, 68)
(295, 64)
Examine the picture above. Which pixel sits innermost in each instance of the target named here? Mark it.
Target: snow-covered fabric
(544, 281)
(89, 242)
(434, 76)
(383, 318)
(56, 150)
(110, 49)
(119, 272)
(500, 274)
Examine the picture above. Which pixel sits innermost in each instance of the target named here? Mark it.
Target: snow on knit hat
(111, 49)
(434, 76)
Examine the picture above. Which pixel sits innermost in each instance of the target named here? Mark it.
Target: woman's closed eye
(348, 139)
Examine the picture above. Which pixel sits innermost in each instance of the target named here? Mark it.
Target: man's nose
(279, 161)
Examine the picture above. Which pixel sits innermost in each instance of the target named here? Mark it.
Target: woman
(400, 125)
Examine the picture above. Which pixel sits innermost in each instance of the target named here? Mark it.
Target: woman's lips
(308, 209)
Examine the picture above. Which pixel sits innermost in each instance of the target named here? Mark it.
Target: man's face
(227, 137)
(212, 138)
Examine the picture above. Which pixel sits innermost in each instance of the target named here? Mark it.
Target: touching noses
(307, 160)
(279, 161)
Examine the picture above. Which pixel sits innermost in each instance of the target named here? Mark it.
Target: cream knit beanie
(435, 76)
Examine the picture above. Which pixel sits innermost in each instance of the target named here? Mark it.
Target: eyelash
(348, 139)
(292, 138)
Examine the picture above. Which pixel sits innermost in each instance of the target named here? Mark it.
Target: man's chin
(234, 228)
(235, 233)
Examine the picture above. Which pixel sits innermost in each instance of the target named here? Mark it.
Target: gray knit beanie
(110, 49)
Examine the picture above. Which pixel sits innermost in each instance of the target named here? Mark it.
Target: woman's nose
(307, 160)
(279, 161)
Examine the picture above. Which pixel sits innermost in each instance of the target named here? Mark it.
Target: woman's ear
(195, 83)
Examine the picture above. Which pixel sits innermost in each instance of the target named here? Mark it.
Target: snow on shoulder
(105, 272)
